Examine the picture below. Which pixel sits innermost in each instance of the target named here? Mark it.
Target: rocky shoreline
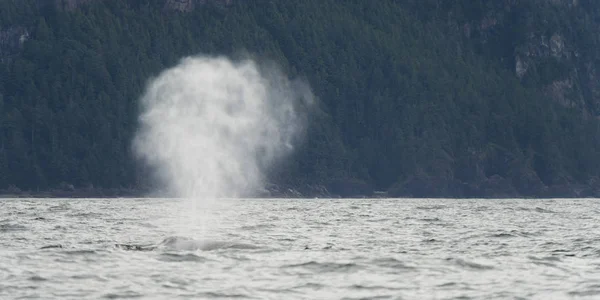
(494, 187)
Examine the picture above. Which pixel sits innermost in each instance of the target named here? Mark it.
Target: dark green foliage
(404, 94)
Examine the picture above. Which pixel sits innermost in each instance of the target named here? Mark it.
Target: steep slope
(419, 98)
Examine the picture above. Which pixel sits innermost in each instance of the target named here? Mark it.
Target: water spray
(211, 127)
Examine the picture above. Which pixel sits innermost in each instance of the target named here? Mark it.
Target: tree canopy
(407, 98)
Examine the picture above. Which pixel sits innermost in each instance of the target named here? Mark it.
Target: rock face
(556, 56)
(11, 41)
(70, 5)
(189, 5)
(543, 50)
(569, 73)
(180, 5)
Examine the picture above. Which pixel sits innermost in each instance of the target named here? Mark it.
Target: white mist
(210, 127)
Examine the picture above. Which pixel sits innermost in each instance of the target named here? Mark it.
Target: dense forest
(421, 98)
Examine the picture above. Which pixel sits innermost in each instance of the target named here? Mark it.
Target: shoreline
(431, 188)
(287, 194)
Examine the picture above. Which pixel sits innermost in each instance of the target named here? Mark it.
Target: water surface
(299, 249)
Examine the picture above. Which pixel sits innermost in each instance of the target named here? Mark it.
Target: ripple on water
(181, 257)
(392, 263)
(482, 208)
(55, 246)
(502, 235)
(429, 241)
(431, 207)
(310, 285)
(325, 266)
(543, 210)
(189, 244)
(469, 264)
(60, 207)
(86, 215)
(394, 251)
(10, 227)
(592, 290)
(256, 227)
(37, 278)
(430, 219)
(80, 252)
(544, 258)
(123, 295)
(221, 295)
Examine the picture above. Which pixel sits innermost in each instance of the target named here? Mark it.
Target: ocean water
(299, 249)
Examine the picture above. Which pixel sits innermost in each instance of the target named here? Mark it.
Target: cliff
(11, 41)
(547, 42)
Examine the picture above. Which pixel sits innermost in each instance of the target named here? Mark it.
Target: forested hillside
(441, 98)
